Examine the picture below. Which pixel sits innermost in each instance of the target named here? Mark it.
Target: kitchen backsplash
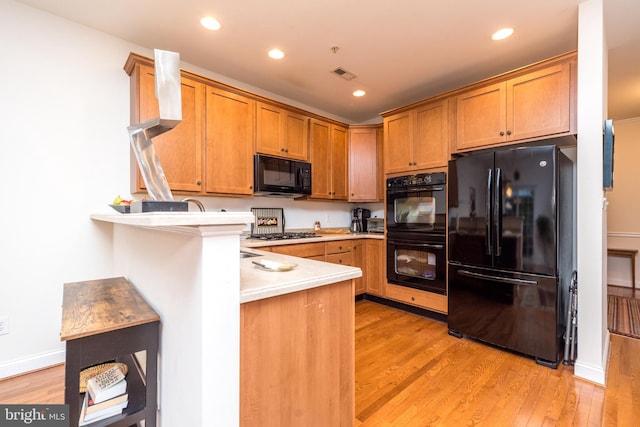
(298, 214)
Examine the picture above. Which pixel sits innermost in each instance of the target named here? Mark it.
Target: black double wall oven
(416, 240)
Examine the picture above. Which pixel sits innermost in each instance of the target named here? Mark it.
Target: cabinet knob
(286, 150)
(198, 182)
(282, 149)
(501, 133)
(508, 132)
(251, 187)
(413, 299)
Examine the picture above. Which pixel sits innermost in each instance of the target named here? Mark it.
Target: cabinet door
(282, 133)
(344, 258)
(268, 130)
(229, 142)
(431, 140)
(320, 154)
(375, 264)
(339, 163)
(296, 135)
(358, 259)
(481, 117)
(398, 142)
(539, 103)
(363, 165)
(180, 149)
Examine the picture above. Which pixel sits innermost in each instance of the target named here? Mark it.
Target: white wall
(624, 202)
(64, 104)
(592, 336)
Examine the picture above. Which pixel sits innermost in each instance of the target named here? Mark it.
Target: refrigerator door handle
(497, 213)
(511, 281)
(487, 220)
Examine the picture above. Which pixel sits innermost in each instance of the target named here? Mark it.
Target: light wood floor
(410, 372)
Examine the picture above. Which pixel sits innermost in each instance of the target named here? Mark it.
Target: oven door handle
(413, 190)
(498, 278)
(413, 243)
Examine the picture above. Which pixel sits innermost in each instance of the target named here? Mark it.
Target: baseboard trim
(405, 307)
(31, 363)
(595, 374)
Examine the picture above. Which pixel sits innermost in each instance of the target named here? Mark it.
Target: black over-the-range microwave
(274, 176)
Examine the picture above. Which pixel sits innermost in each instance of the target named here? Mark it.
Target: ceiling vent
(341, 72)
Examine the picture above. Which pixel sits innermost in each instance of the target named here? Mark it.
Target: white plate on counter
(269, 265)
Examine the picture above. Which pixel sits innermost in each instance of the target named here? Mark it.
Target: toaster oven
(375, 225)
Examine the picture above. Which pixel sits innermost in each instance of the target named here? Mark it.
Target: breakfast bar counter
(188, 267)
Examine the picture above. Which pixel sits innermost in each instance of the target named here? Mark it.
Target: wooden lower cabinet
(297, 359)
(303, 250)
(375, 267)
(428, 300)
(358, 257)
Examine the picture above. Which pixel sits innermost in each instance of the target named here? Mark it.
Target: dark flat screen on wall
(607, 158)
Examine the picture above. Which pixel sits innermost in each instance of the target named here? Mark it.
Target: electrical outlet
(4, 325)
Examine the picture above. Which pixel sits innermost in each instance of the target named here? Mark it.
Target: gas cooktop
(283, 236)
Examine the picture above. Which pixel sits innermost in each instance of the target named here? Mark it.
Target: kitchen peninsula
(187, 266)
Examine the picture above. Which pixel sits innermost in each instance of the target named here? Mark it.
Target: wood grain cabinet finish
(535, 104)
(280, 132)
(229, 143)
(364, 164)
(358, 258)
(340, 252)
(180, 150)
(314, 251)
(375, 264)
(329, 159)
(297, 359)
(417, 138)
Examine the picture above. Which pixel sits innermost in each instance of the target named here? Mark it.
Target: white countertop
(256, 283)
(163, 219)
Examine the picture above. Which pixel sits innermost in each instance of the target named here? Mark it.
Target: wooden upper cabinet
(534, 104)
(329, 158)
(431, 142)
(339, 163)
(417, 138)
(364, 165)
(180, 149)
(280, 132)
(229, 142)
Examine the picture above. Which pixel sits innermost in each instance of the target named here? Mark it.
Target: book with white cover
(106, 385)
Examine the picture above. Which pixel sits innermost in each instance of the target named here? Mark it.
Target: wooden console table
(106, 320)
(627, 253)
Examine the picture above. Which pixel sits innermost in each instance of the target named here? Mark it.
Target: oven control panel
(417, 180)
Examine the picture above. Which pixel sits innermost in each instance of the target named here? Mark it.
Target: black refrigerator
(510, 240)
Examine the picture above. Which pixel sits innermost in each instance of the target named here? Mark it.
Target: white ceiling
(401, 51)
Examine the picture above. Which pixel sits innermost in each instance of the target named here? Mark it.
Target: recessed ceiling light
(359, 92)
(502, 33)
(210, 23)
(276, 54)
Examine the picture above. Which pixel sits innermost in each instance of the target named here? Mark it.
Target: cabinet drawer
(339, 246)
(302, 250)
(344, 258)
(416, 297)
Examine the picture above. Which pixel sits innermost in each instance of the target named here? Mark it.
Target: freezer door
(470, 186)
(524, 225)
(515, 311)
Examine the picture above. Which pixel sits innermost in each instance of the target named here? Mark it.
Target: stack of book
(106, 396)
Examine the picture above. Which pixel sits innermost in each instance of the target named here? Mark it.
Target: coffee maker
(359, 220)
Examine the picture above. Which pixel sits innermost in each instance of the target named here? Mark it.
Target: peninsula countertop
(256, 283)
